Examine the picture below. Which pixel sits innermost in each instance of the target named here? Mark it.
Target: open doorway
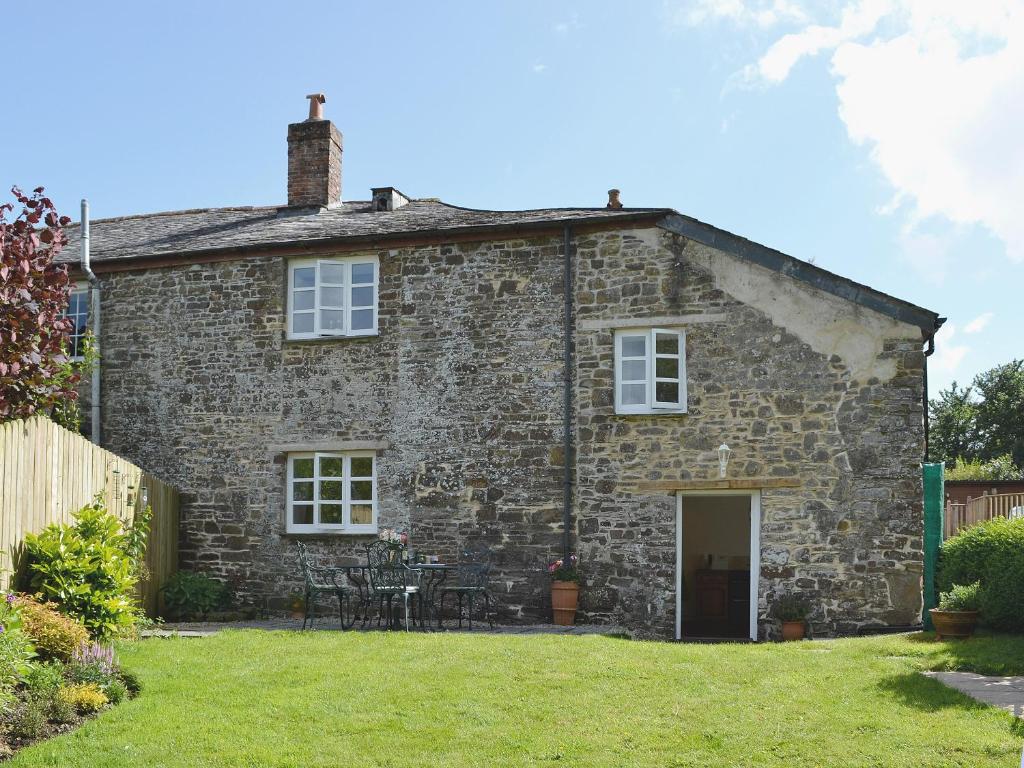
(717, 563)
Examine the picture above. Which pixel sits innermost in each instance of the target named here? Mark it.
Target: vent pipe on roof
(613, 199)
(94, 310)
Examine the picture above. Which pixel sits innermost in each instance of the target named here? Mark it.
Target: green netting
(934, 493)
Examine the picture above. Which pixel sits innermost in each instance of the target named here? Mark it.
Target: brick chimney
(314, 160)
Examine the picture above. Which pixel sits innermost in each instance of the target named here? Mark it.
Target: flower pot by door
(793, 630)
(564, 597)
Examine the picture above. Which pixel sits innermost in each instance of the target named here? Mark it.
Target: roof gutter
(94, 310)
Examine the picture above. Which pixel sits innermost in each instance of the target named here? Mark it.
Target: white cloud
(762, 13)
(948, 355)
(977, 325)
(933, 88)
(538, 68)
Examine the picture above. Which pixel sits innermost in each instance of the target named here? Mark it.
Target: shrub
(991, 553)
(116, 691)
(92, 663)
(16, 651)
(29, 721)
(188, 593)
(85, 698)
(131, 682)
(45, 678)
(62, 710)
(791, 608)
(54, 635)
(961, 598)
(90, 569)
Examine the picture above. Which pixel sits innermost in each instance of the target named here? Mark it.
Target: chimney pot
(316, 106)
(613, 199)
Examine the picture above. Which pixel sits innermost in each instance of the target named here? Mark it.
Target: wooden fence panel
(987, 507)
(48, 472)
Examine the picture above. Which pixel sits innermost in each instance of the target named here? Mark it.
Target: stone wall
(464, 387)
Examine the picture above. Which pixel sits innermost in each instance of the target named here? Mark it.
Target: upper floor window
(332, 492)
(650, 371)
(332, 297)
(78, 311)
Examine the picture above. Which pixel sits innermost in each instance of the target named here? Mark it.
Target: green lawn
(248, 698)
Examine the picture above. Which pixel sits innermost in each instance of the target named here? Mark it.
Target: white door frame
(755, 552)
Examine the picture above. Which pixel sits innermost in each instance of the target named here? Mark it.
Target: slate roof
(193, 233)
(217, 229)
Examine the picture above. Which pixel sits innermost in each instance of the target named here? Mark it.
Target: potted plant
(792, 612)
(957, 613)
(565, 589)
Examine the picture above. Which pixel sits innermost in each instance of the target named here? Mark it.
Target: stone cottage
(720, 423)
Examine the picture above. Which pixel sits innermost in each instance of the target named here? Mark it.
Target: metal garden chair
(472, 578)
(319, 579)
(389, 578)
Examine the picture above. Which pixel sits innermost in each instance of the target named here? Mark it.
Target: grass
(248, 698)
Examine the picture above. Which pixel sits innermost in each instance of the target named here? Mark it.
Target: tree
(33, 298)
(952, 424)
(982, 423)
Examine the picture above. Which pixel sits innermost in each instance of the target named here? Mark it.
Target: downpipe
(94, 311)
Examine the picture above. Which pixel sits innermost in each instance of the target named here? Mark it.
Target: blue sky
(876, 137)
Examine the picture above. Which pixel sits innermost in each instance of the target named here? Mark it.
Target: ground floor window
(332, 492)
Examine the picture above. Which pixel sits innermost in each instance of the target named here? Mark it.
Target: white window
(332, 297)
(332, 493)
(78, 311)
(650, 371)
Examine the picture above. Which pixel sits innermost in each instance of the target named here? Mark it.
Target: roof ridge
(182, 212)
(562, 208)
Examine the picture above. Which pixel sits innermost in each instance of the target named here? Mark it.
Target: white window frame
(82, 289)
(347, 287)
(346, 526)
(651, 404)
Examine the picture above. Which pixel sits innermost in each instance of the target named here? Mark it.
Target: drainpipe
(567, 457)
(94, 310)
(927, 353)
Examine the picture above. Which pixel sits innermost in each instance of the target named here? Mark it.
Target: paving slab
(1003, 692)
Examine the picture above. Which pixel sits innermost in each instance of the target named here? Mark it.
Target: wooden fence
(974, 511)
(48, 472)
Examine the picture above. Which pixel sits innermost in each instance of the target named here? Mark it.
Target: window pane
(303, 277)
(302, 322)
(331, 466)
(332, 319)
(667, 344)
(667, 391)
(330, 490)
(331, 514)
(362, 297)
(302, 468)
(362, 490)
(332, 273)
(667, 367)
(362, 466)
(634, 346)
(362, 319)
(634, 394)
(302, 300)
(634, 370)
(362, 273)
(332, 297)
(302, 491)
(302, 514)
(362, 514)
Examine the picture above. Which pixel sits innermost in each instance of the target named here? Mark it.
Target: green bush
(16, 651)
(116, 691)
(961, 598)
(29, 721)
(62, 709)
(188, 593)
(991, 553)
(90, 569)
(45, 678)
(131, 682)
(54, 635)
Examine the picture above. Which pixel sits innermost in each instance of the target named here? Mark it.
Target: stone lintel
(728, 484)
(330, 445)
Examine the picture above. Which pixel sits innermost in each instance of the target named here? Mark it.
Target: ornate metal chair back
(386, 570)
(474, 567)
(313, 574)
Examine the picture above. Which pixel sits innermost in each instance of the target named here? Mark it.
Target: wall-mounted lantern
(723, 459)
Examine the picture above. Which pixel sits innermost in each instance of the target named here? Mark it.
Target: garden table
(435, 574)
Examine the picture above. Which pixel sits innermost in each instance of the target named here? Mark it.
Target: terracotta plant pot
(564, 597)
(793, 630)
(953, 623)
